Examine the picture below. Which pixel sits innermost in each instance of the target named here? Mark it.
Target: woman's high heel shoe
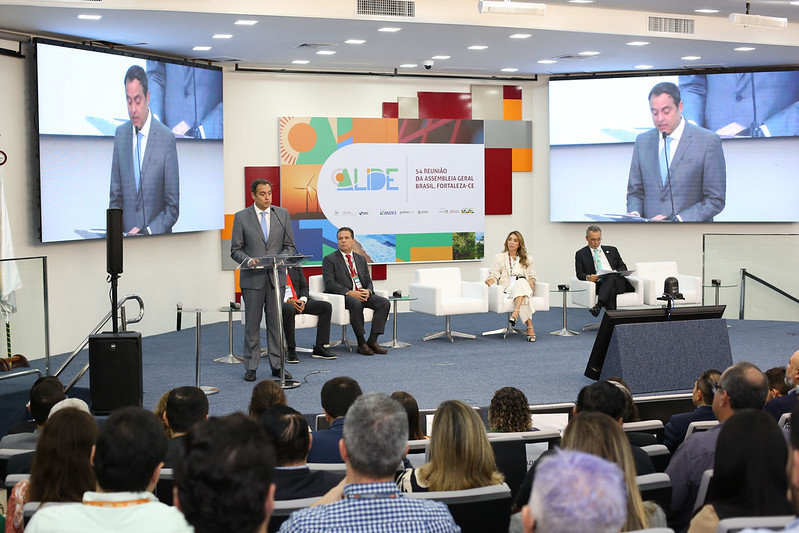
(530, 336)
(512, 319)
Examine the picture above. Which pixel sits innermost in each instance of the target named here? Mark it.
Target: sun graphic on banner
(297, 136)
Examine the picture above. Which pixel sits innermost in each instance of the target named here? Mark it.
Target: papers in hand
(608, 272)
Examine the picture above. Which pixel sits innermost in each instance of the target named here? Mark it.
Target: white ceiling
(441, 27)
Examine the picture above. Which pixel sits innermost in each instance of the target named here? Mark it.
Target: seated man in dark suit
(185, 406)
(677, 425)
(338, 394)
(346, 272)
(592, 258)
(784, 404)
(290, 436)
(297, 302)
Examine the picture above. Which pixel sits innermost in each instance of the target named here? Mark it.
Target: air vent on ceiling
(386, 8)
(315, 45)
(571, 57)
(671, 25)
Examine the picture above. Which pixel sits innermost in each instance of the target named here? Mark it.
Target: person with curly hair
(509, 411)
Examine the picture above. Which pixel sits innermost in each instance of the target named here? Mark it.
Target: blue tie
(137, 161)
(664, 161)
(263, 226)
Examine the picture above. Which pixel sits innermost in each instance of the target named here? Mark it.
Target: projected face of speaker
(666, 115)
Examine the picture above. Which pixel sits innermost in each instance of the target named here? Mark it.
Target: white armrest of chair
(585, 298)
(428, 299)
(339, 315)
(541, 291)
(496, 299)
(476, 289)
(384, 294)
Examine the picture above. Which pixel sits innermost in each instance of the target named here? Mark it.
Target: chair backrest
(316, 284)
(419, 445)
(733, 525)
(655, 487)
(701, 494)
(339, 468)
(447, 279)
(659, 454)
(480, 510)
(653, 427)
(653, 530)
(13, 479)
(284, 508)
(510, 454)
(321, 422)
(656, 270)
(700, 425)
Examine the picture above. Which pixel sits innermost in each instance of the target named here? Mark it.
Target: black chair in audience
(481, 510)
(511, 456)
(282, 510)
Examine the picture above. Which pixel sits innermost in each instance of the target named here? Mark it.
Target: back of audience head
(600, 435)
(224, 482)
(130, 447)
(703, 388)
(745, 386)
(338, 394)
(576, 491)
(460, 454)
(160, 409)
(61, 469)
(45, 393)
(749, 467)
(602, 397)
(408, 402)
(509, 410)
(185, 406)
(264, 395)
(630, 410)
(288, 432)
(375, 436)
(777, 386)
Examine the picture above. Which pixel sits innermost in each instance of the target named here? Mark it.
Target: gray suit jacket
(247, 241)
(698, 176)
(156, 204)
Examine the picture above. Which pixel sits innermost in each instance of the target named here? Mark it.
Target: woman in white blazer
(513, 271)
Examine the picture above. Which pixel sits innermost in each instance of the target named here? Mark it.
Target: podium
(274, 263)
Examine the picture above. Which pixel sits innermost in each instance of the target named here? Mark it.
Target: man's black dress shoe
(376, 348)
(595, 310)
(249, 375)
(364, 349)
(320, 352)
(276, 373)
(291, 356)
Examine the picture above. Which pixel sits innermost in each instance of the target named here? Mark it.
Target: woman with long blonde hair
(460, 455)
(513, 271)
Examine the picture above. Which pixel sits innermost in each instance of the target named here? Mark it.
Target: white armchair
(497, 303)
(340, 316)
(587, 298)
(654, 274)
(440, 292)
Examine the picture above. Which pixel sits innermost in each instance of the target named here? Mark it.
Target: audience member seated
(513, 271)
(702, 398)
(288, 431)
(776, 383)
(338, 394)
(741, 386)
(127, 460)
(45, 393)
(460, 455)
(748, 472)
(509, 411)
(374, 442)
(61, 471)
(576, 491)
(160, 409)
(637, 438)
(185, 406)
(264, 395)
(224, 483)
(412, 410)
(784, 404)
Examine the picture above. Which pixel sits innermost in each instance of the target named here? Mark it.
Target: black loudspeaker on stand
(115, 375)
(113, 236)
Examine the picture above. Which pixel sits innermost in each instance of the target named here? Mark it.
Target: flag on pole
(10, 280)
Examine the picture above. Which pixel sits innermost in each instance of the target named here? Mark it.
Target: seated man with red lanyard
(297, 302)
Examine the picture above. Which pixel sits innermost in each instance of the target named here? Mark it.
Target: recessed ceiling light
(354, 41)
(509, 69)
(588, 53)
(300, 62)
(409, 65)
(201, 48)
(521, 35)
(638, 43)
(581, 1)
(478, 47)
(643, 67)
(690, 58)
(547, 61)
(744, 48)
(441, 57)
(706, 11)
(223, 36)
(389, 30)
(90, 17)
(794, 3)
(246, 22)
(326, 52)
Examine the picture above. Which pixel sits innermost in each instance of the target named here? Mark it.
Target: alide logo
(373, 179)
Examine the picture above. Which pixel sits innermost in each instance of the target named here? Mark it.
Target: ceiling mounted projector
(509, 6)
(758, 21)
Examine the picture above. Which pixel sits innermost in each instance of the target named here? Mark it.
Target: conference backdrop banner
(412, 201)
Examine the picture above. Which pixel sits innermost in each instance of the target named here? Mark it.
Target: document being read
(608, 272)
